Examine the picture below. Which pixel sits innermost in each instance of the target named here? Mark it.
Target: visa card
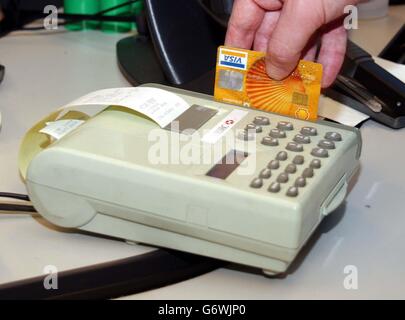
(241, 79)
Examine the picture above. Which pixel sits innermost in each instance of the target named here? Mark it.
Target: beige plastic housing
(99, 178)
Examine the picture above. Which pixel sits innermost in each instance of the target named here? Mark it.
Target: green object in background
(82, 7)
(123, 11)
(137, 8)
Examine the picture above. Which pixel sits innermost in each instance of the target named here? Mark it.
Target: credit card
(241, 79)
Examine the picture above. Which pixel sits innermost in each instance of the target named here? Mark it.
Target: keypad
(293, 177)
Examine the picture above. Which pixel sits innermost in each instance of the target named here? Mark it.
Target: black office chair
(177, 43)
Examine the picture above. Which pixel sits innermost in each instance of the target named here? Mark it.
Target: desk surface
(44, 72)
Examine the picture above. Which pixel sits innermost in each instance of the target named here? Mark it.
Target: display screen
(228, 164)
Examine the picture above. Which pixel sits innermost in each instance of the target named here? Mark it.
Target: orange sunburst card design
(241, 79)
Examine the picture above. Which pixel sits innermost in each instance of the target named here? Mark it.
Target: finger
(298, 22)
(332, 53)
(311, 49)
(310, 54)
(270, 5)
(265, 30)
(245, 19)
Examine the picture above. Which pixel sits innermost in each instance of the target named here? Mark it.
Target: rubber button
(282, 178)
(275, 187)
(282, 156)
(274, 165)
(308, 173)
(334, 136)
(291, 168)
(292, 192)
(261, 121)
(284, 125)
(265, 174)
(309, 131)
(257, 183)
(320, 153)
(298, 160)
(269, 141)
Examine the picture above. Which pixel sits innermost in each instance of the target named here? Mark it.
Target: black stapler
(369, 88)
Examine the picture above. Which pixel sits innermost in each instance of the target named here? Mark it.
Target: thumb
(298, 22)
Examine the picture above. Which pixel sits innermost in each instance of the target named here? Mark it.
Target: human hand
(290, 30)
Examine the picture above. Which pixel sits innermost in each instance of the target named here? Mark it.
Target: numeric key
(309, 131)
(261, 121)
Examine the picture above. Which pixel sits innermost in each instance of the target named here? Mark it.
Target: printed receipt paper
(241, 79)
(159, 105)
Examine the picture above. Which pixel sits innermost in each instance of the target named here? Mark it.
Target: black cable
(12, 195)
(116, 7)
(115, 279)
(16, 208)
